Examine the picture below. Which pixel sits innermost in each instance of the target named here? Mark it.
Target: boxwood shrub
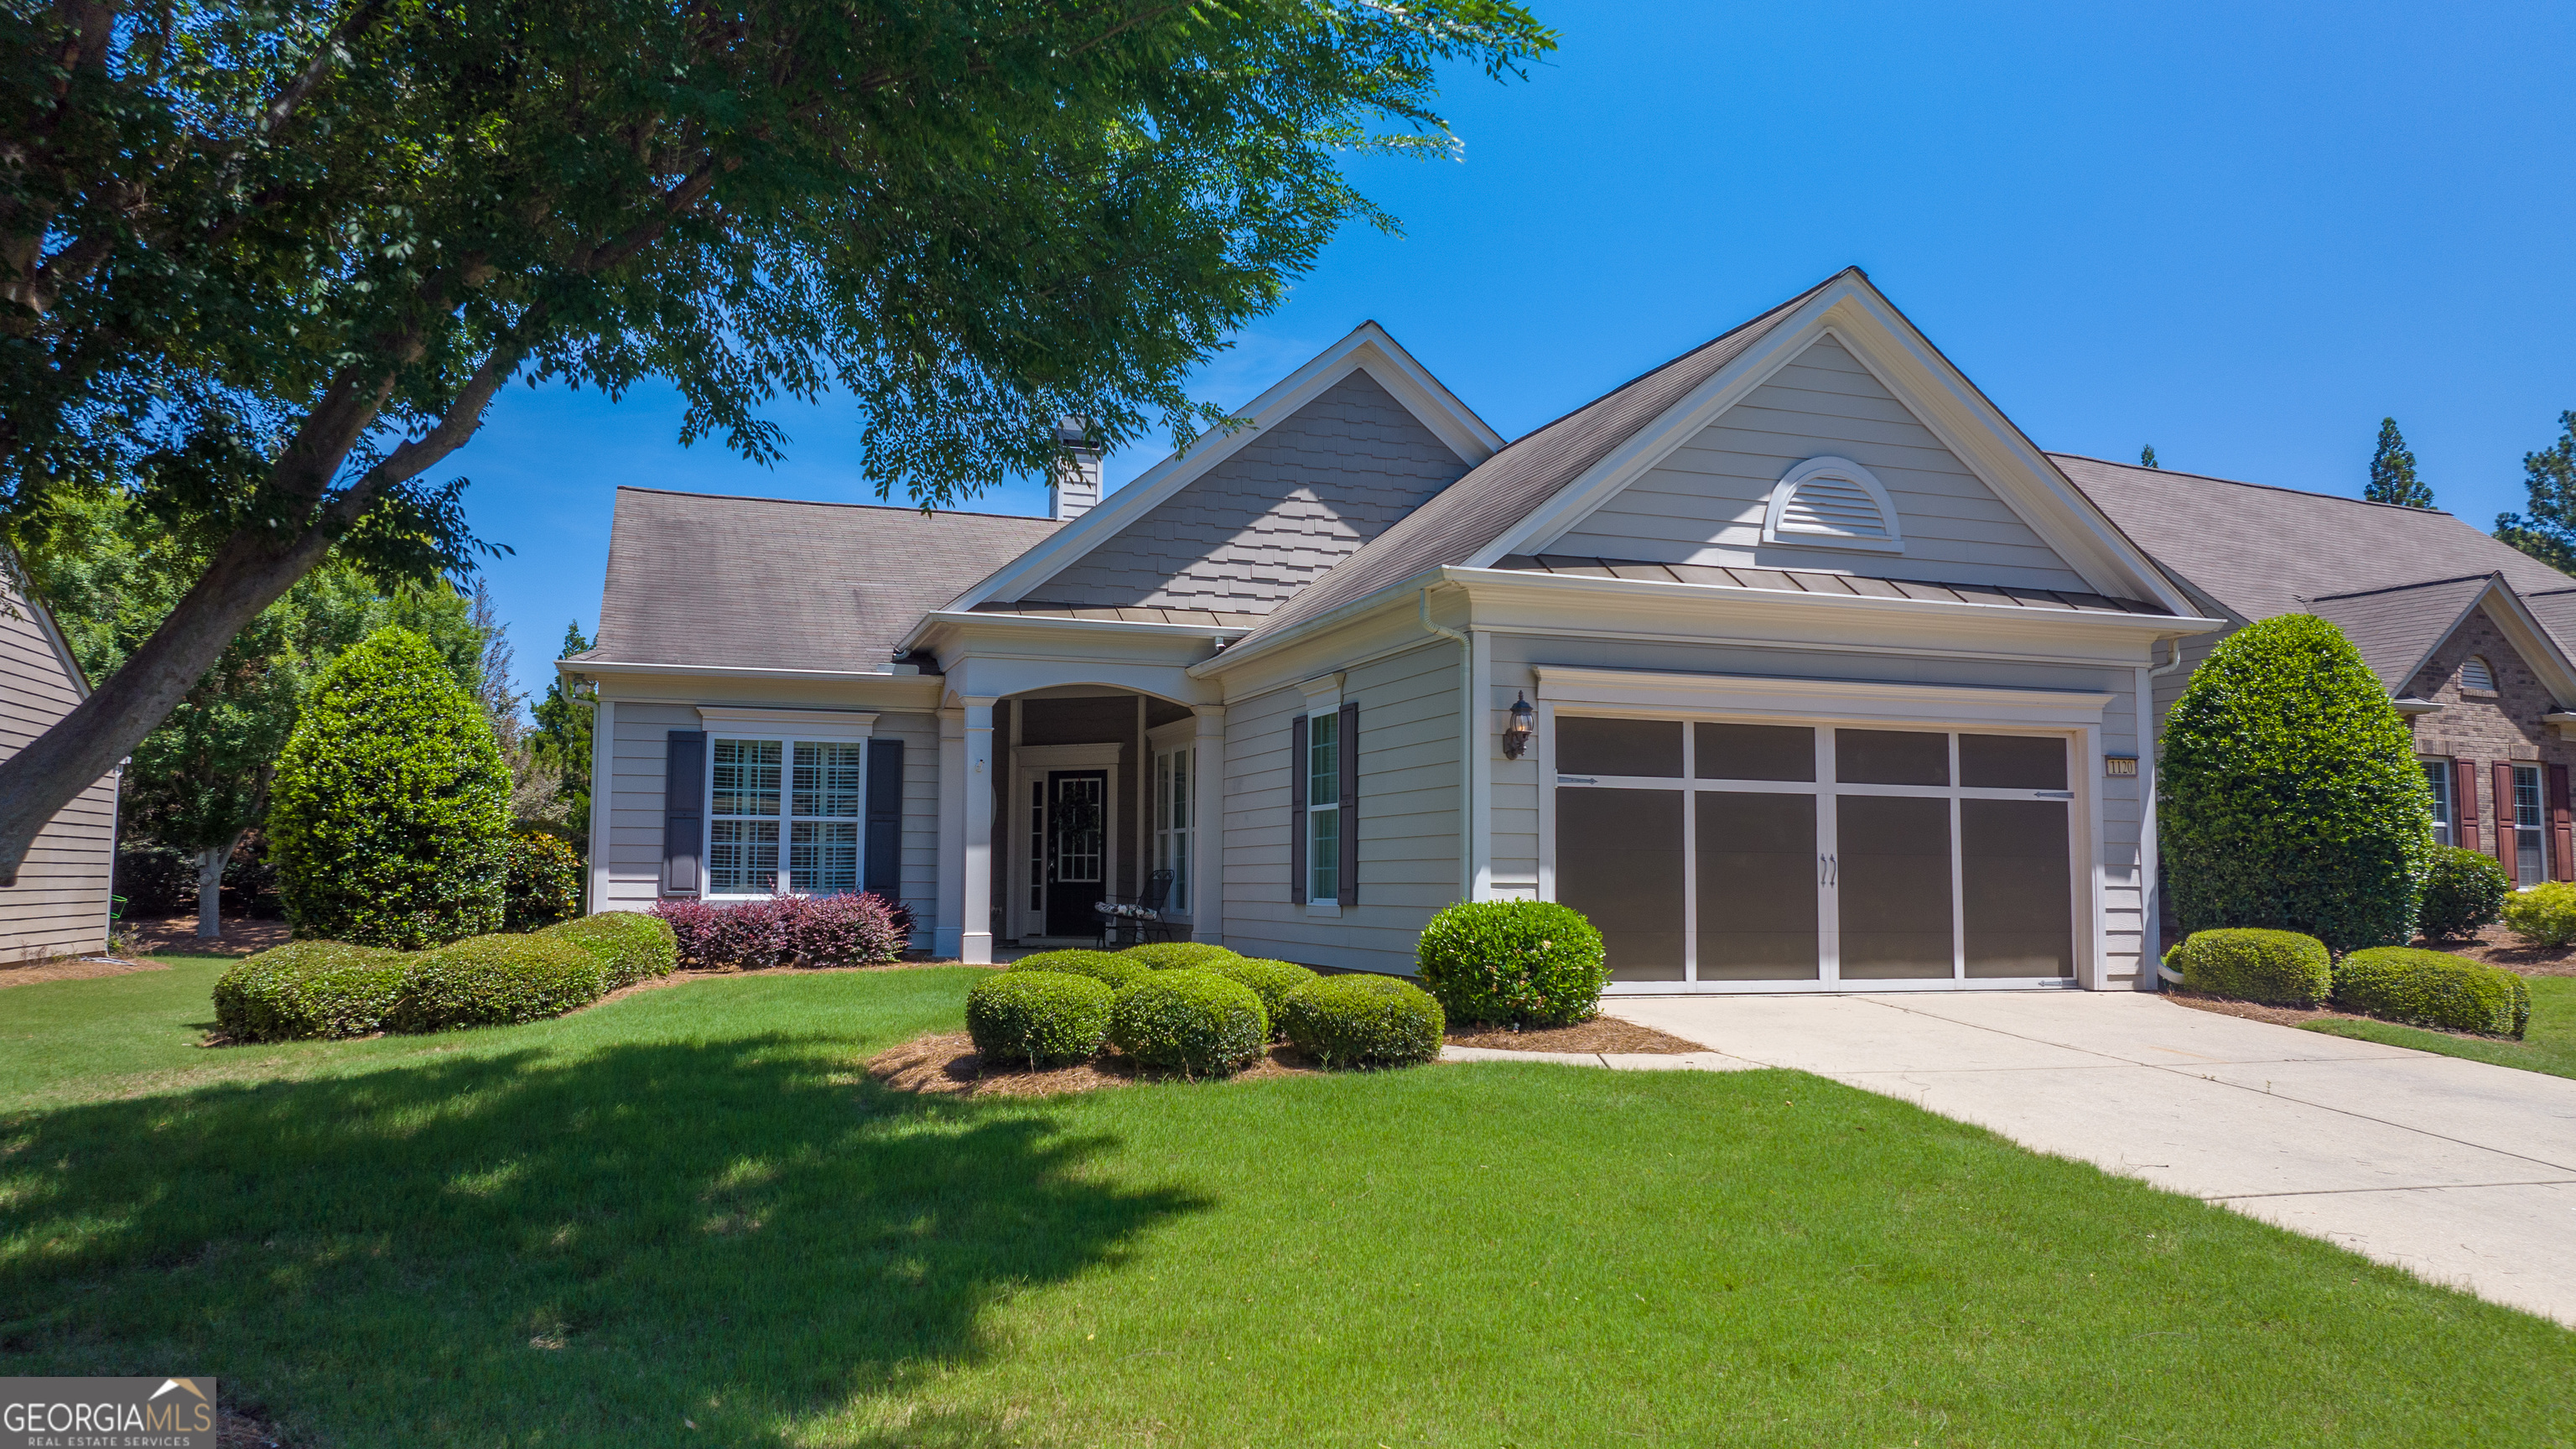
(2464, 890)
(1530, 963)
(1269, 980)
(495, 980)
(308, 989)
(2289, 792)
(1037, 1018)
(1110, 969)
(1179, 955)
(541, 882)
(1189, 1022)
(2431, 988)
(1363, 1021)
(2277, 968)
(630, 945)
(2544, 915)
(389, 823)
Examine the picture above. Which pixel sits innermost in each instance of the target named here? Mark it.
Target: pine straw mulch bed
(2497, 946)
(1600, 1034)
(73, 968)
(177, 936)
(948, 1065)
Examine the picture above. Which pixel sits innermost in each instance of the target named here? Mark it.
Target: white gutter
(585, 668)
(2150, 873)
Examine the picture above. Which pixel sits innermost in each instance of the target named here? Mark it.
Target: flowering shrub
(855, 930)
(1531, 963)
(692, 923)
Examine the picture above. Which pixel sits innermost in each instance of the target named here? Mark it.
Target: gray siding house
(60, 904)
(1792, 663)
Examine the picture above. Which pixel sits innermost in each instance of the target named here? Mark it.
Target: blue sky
(2241, 232)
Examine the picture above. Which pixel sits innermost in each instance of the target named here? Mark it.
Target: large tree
(2392, 471)
(200, 781)
(265, 266)
(2548, 532)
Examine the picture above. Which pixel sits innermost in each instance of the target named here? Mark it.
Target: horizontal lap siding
(635, 800)
(1705, 503)
(920, 735)
(59, 905)
(1406, 831)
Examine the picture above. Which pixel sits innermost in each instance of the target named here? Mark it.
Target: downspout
(2150, 876)
(1467, 811)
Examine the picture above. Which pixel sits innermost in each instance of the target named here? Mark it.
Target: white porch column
(975, 889)
(950, 924)
(1207, 827)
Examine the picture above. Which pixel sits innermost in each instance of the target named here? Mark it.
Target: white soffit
(1942, 399)
(1368, 348)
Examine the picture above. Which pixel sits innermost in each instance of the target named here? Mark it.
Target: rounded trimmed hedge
(2464, 890)
(2289, 795)
(1180, 955)
(1192, 1022)
(540, 882)
(1529, 963)
(309, 989)
(1109, 968)
(493, 981)
(1364, 1021)
(631, 946)
(389, 823)
(2544, 915)
(1269, 980)
(2277, 968)
(1040, 1018)
(2432, 988)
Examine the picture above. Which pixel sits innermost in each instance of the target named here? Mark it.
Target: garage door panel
(1756, 862)
(1619, 862)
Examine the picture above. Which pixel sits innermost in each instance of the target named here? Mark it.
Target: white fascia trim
(1853, 313)
(1499, 581)
(1879, 701)
(1367, 348)
(588, 668)
(964, 618)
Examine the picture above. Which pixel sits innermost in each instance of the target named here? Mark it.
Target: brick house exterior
(2479, 737)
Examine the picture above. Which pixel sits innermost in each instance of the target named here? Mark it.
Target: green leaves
(2392, 472)
(2549, 532)
(2290, 793)
(390, 825)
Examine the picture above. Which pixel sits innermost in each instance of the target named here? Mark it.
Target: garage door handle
(1827, 869)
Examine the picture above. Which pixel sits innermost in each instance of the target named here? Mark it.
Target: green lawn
(2548, 1044)
(690, 1207)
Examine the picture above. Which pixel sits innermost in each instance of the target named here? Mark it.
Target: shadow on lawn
(522, 1249)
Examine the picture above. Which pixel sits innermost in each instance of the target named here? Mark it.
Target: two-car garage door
(1738, 855)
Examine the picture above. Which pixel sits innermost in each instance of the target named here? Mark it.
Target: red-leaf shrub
(692, 924)
(855, 930)
(751, 934)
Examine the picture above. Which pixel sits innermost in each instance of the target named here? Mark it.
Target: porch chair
(1143, 915)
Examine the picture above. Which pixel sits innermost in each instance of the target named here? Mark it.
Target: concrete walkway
(2461, 1172)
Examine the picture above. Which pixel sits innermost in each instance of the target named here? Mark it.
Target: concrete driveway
(2461, 1172)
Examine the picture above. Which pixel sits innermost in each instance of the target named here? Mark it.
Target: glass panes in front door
(1736, 854)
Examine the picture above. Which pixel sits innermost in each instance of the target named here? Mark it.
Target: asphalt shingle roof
(765, 583)
(2395, 628)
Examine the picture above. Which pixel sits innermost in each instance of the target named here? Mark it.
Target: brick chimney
(1074, 490)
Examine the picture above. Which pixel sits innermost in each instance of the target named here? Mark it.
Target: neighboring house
(2471, 636)
(1792, 663)
(60, 904)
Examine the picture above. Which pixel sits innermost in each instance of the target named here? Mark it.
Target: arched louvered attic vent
(1832, 503)
(2474, 674)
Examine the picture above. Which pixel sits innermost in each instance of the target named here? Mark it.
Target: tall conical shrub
(2289, 792)
(390, 820)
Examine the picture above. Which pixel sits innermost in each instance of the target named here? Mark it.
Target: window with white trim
(2437, 778)
(807, 794)
(1324, 807)
(1175, 773)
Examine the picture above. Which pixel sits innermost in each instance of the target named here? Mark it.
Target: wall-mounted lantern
(1523, 728)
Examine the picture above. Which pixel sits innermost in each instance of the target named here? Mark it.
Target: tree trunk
(210, 891)
(249, 573)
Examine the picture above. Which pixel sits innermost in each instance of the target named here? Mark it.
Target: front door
(1076, 842)
(1725, 855)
